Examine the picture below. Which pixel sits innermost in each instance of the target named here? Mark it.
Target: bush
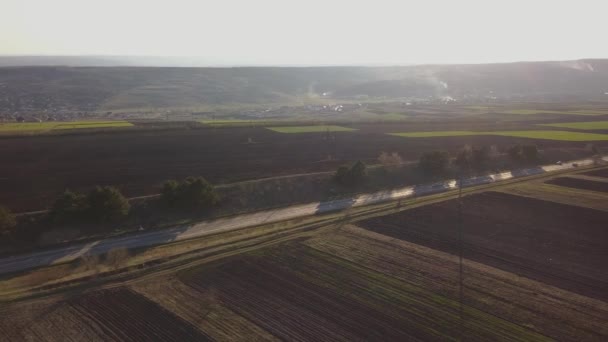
(69, 206)
(169, 193)
(351, 176)
(7, 221)
(434, 163)
(107, 204)
(116, 257)
(193, 192)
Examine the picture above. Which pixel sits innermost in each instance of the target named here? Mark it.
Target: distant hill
(114, 88)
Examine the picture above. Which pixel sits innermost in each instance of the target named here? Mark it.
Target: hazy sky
(310, 31)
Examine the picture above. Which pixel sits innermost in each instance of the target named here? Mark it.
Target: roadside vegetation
(193, 193)
(102, 204)
(351, 176)
(7, 221)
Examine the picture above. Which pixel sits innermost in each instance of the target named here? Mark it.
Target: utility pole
(460, 255)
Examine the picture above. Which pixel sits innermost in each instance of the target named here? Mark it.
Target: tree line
(108, 204)
(437, 163)
(105, 204)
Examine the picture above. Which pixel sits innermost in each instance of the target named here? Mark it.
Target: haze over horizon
(274, 32)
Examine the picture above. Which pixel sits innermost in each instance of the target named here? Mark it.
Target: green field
(310, 129)
(548, 135)
(52, 126)
(540, 111)
(590, 125)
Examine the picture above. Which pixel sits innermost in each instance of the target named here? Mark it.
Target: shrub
(197, 193)
(117, 256)
(169, 193)
(7, 221)
(69, 206)
(193, 192)
(351, 176)
(107, 204)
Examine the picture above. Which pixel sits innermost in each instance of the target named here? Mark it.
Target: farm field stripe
(547, 135)
(579, 183)
(42, 126)
(146, 321)
(540, 111)
(589, 125)
(310, 129)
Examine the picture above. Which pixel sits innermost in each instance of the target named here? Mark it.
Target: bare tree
(390, 161)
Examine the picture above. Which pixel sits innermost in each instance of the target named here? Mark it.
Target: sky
(310, 32)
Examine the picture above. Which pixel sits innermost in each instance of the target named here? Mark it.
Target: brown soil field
(297, 293)
(343, 284)
(558, 244)
(110, 315)
(35, 169)
(597, 173)
(579, 183)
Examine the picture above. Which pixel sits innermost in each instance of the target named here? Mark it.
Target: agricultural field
(558, 244)
(541, 111)
(589, 125)
(37, 168)
(346, 283)
(548, 135)
(55, 126)
(117, 314)
(580, 183)
(597, 173)
(311, 129)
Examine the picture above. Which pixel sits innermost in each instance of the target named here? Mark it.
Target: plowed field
(559, 244)
(579, 183)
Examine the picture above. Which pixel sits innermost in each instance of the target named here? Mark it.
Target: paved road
(66, 254)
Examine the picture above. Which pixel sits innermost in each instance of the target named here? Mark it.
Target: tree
(170, 192)
(7, 221)
(434, 163)
(481, 156)
(358, 171)
(197, 193)
(342, 175)
(523, 153)
(193, 192)
(107, 204)
(472, 158)
(390, 161)
(464, 159)
(350, 176)
(529, 152)
(69, 206)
